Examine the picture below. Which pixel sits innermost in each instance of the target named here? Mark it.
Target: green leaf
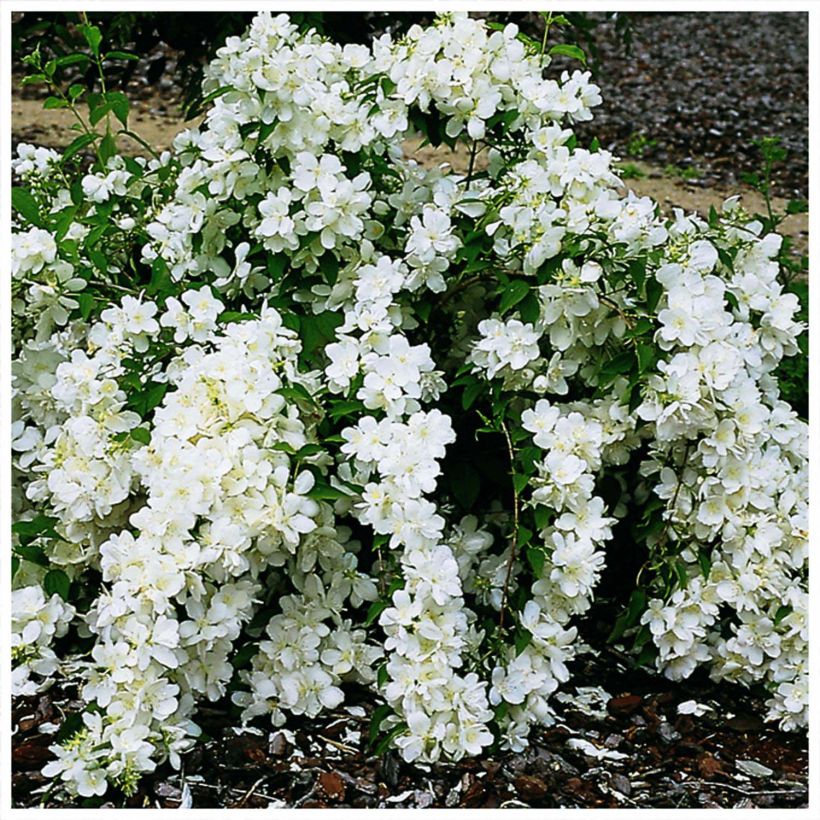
(98, 112)
(642, 327)
(523, 638)
(618, 365)
(93, 36)
(727, 258)
(536, 559)
(382, 676)
(547, 271)
(319, 330)
(423, 310)
(346, 408)
(385, 742)
(329, 265)
(647, 356)
(78, 144)
(528, 456)
(33, 554)
(324, 492)
(296, 391)
(682, 575)
(648, 653)
(797, 206)
(143, 401)
(525, 535)
(520, 481)
(15, 565)
(228, 316)
(654, 291)
(635, 398)
(242, 659)
(542, 517)
(141, 435)
(266, 129)
(471, 393)
(379, 714)
(567, 50)
(120, 55)
(637, 270)
(37, 527)
(196, 108)
(781, 613)
(26, 205)
(119, 105)
(704, 562)
(34, 78)
(630, 616)
(56, 582)
(276, 265)
(86, 302)
(530, 308)
(54, 102)
(513, 293)
(72, 59)
(374, 610)
(69, 727)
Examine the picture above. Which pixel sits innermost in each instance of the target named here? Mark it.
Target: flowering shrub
(294, 412)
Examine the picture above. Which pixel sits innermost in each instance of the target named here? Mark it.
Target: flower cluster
(736, 497)
(36, 621)
(299, 414)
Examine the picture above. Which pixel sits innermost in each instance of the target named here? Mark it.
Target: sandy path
(31, 123)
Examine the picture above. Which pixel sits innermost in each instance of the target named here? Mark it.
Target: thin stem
(59, 91)
(472, 163)
(630, 322)
(101, 283)
(101, 74)
(514, 545)
(547, 24)
(459, 286)
(767, 196)
(134, 136)
(670, 507)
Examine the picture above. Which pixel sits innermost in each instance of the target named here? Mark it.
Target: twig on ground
(250, 792)
(340, 746)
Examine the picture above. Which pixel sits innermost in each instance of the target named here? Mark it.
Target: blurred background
(686, 94)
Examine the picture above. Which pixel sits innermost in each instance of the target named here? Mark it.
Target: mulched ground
(625, 746)
(703, 86)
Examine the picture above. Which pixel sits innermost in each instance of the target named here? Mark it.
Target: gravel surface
(703, 86)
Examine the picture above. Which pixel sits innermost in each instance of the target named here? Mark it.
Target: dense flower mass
(294, 413)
